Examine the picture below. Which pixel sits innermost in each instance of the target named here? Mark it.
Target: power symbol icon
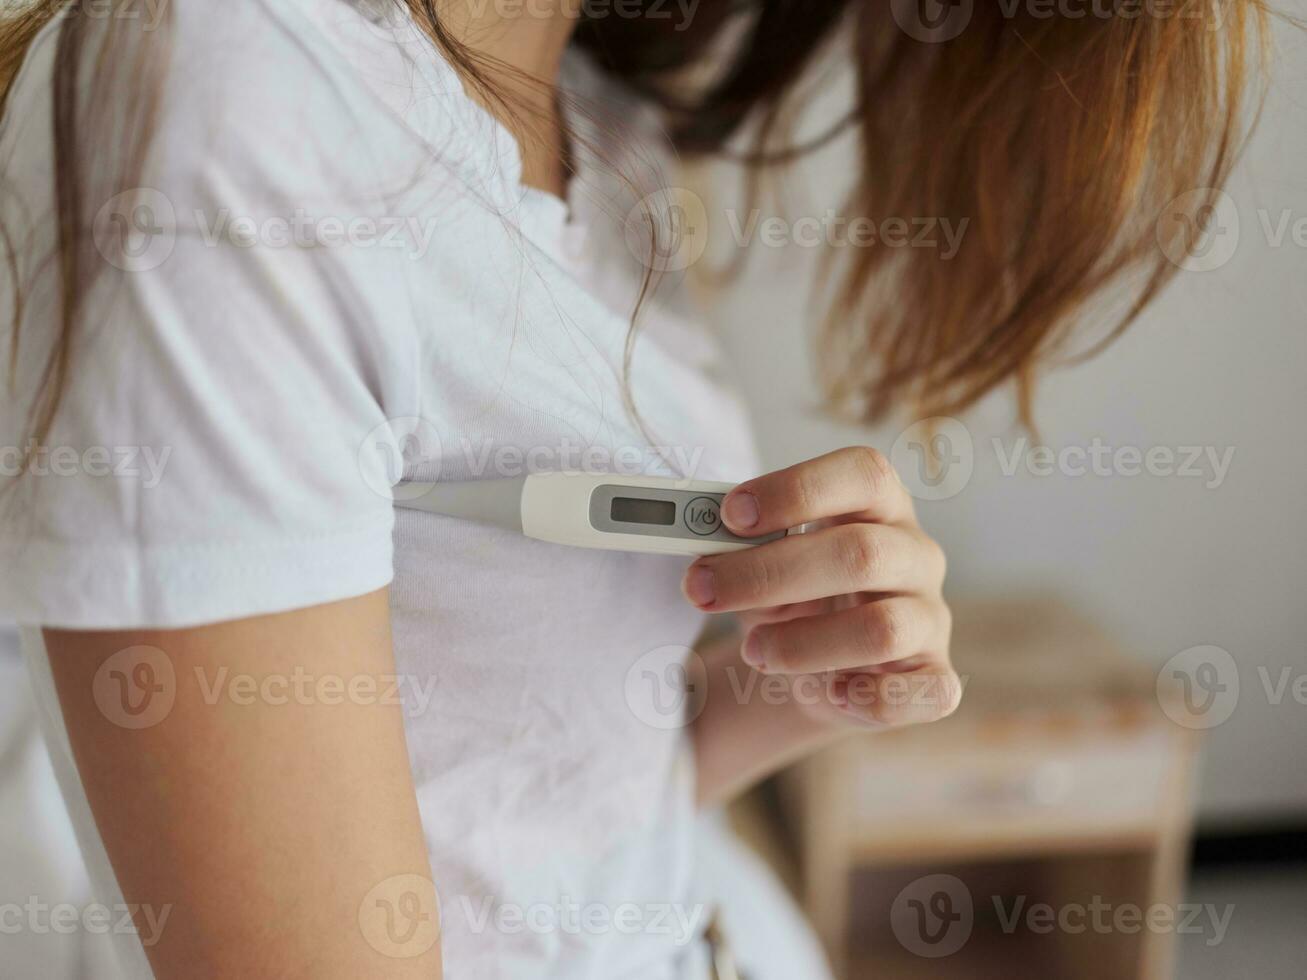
(703, 515)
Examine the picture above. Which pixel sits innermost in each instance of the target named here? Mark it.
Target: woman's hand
(852, 611)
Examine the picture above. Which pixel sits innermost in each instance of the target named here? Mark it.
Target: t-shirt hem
(64, 585)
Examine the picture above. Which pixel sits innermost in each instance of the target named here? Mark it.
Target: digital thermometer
(649, 514)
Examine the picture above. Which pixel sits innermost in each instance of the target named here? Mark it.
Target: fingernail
(698, 585)
(740, 509)
(751, 650)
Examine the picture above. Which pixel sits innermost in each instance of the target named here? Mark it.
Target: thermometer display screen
(630, 510)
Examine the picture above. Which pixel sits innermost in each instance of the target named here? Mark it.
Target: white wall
(1164, 562)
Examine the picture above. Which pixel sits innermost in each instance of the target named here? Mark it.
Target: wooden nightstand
(1060, 780)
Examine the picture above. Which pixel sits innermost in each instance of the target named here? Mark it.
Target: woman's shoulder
(324, 90)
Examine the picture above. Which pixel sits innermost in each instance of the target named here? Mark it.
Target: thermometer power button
(702, 515)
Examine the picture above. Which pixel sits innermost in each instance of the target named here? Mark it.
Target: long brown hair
(1058, 135)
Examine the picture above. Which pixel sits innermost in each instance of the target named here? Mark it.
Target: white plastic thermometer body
(655, 515)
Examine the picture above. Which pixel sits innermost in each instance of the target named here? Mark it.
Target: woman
(268, 258)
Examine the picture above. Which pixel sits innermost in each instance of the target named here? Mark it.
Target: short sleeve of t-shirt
(226, 436)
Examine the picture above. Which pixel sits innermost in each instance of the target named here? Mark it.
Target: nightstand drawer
(1111, 782)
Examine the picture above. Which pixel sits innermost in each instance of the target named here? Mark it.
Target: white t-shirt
(335, 242)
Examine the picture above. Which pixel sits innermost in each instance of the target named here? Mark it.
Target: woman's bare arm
(267, 809)
(746, 733)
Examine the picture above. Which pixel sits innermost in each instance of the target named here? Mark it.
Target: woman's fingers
(832, 561)
(779, 614)
(867, 635)
(854, 605)
(856, 482)
(918, 697)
